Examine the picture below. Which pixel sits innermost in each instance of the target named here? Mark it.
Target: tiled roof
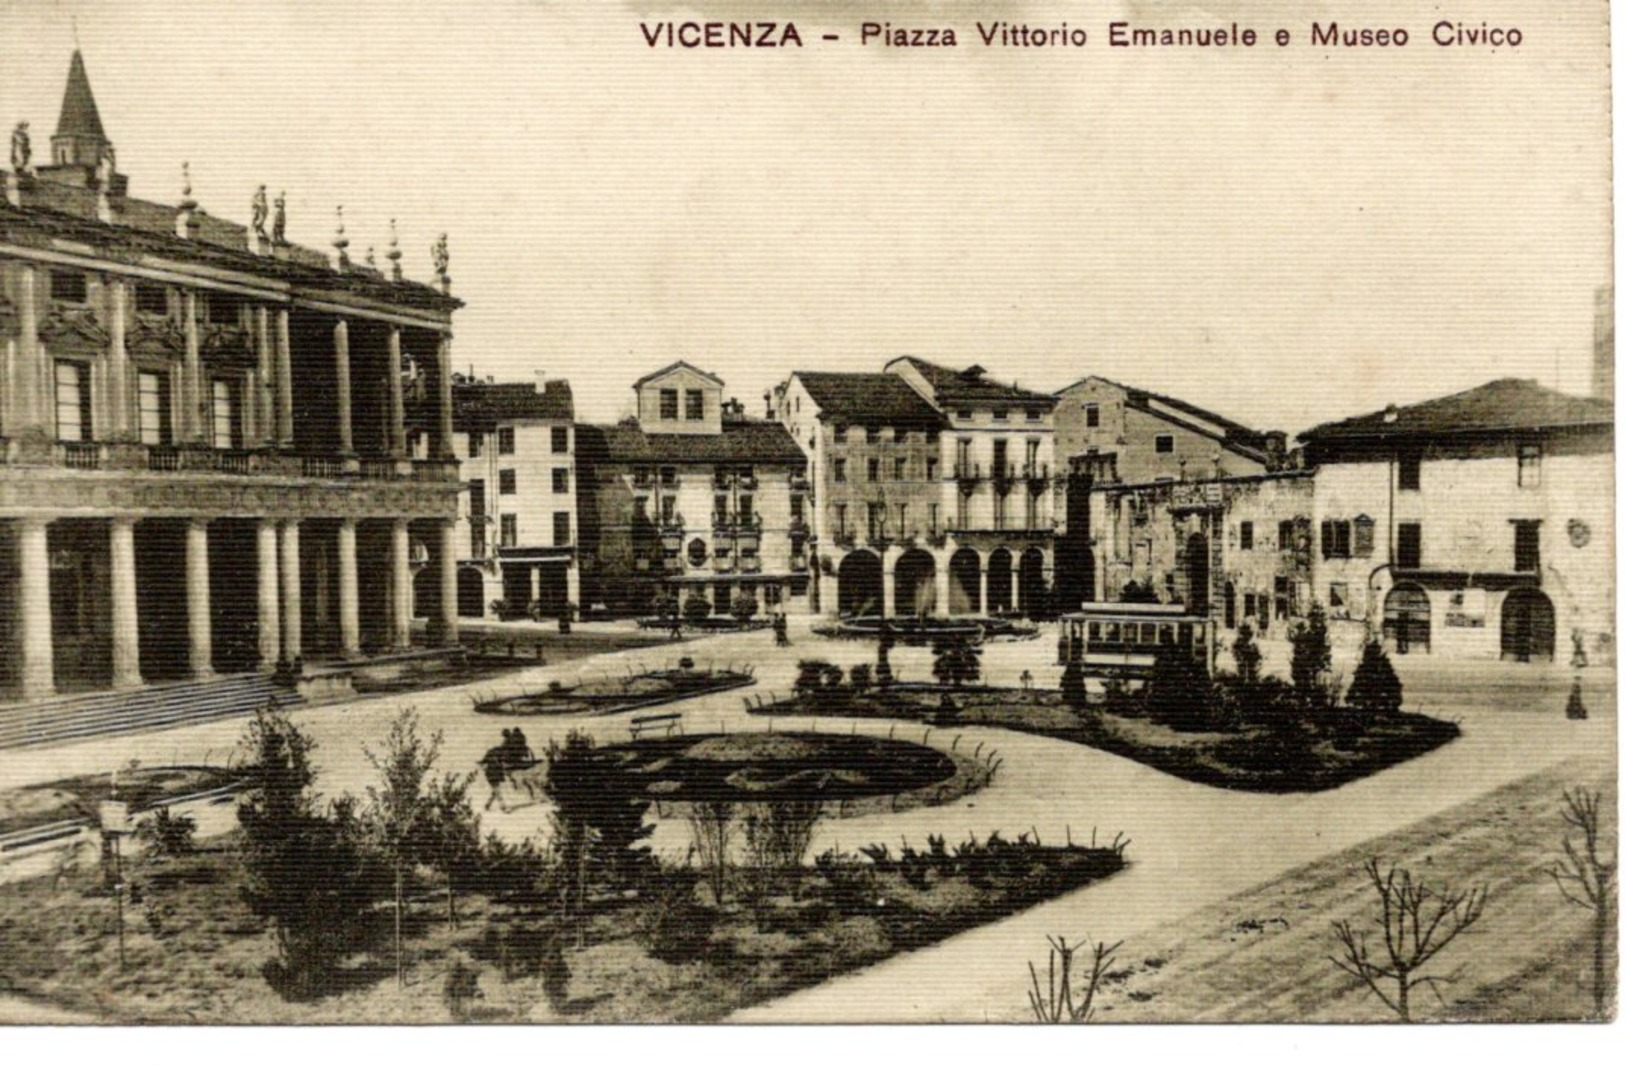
(972, 385)
(79, 116)
(864, 398)
(680, 364)
(1509, 404)
(481, 407)
(739, 442)
(1234, 432)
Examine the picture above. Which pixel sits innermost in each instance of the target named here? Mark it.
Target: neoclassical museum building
(202, 440)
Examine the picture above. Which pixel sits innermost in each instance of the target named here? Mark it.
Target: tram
(1120, 640)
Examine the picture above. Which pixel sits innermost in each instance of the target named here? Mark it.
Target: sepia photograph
(757, 513)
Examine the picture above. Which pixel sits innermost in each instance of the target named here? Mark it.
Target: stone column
(292, 610)
(126, 620)
(27, 404)
(400, 588)
(118, 370)
(1015, 581)
(270, 618)
(265, 393)
(888, 584)
(442, 444)
(397, 398)
(341, 363)
(349, 592)
(199, 623)
(284, 382)
(981, 602)
(944, 585)
(192, 423)
(34, 608)
(448, 583)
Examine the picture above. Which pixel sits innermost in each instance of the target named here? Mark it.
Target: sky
(1285, 236)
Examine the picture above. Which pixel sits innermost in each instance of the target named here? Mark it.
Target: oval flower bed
(74, 801)
(613, 695)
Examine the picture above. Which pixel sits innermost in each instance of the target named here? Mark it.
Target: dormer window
(694, 405)
(668, 404)
(1001, 415)
(69, 286)
(965, 415)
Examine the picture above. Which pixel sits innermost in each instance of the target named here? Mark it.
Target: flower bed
(75, 799)
(614, 695)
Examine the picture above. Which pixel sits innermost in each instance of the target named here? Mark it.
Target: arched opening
(470, 593)
(965, 582)
(1035, 597)
(914, 584)
(1407, 619)
(1196, 574)
(1528, 626)
(1229, 605)
(861, 584)
(1000, 584)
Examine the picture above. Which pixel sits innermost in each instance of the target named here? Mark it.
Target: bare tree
(1590, 882)
(1418, 922)
(711, 824)
(1054, 1003)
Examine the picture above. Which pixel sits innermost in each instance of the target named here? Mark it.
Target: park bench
(650, 722)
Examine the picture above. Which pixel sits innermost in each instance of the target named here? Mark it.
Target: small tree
(860, 677)
(452, 830)
(598, 820)
(1074, 692)
(956, 660)
(398, 812)
(1053, 1003)
(1417, 923)
(1589, 880)
(1376, 690)
(1247, 656)
(777, 835)
(696, 608)
(1134, 592)
(711, 824)
(743, 607)
(1311, 658)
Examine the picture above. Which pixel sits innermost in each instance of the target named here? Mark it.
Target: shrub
(1376, 690)
(675, 927)
(860, 677)
(1179, 693)
(1134, 592)
(696, 608)
(1247, 656)
(777, 835)
(956, 660)
(166, 834)
(1074, 692)
(743, 607)
(810, 675)
(461, 989)
(598, 821)
(712, 826)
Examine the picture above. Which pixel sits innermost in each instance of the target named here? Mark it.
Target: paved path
(1192, 844)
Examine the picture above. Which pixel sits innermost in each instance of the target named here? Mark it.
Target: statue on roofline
(21, 149)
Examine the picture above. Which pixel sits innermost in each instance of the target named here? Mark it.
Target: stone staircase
(68, 718)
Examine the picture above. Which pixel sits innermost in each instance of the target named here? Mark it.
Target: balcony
(79, 455)
(968, 471)
(750, 564)
(1036, 475)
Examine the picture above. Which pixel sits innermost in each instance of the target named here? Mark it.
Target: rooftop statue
(21, 150)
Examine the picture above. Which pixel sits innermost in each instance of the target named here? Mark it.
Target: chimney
(541, 381)
(1390, 414)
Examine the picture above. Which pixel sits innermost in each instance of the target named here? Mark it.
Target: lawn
(666, 952)
(1297, 756)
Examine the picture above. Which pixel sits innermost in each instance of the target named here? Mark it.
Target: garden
(398, 906)
(617, 694)
(1234, 729)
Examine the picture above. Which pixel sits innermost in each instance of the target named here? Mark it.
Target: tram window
(1184, 634)
(1094, 630)
(1200, 634)
(1130, 633)
(1148, 632)
(1111, 632)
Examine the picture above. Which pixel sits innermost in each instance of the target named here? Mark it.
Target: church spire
(81, 154)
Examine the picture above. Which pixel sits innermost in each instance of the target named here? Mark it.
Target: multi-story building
(202, 435)
(1477, 525)
(515, 443)
(693, 497)
(1110, 433)
(933, 488)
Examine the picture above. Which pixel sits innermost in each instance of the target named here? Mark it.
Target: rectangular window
(226, 425)
(505, 440)
(1526, 546)
(840, 434)
(1032, 459)
(668, 510)
(1165, 443)
(561, 481)
(1365, 536)
(874, 469)
(747, 508)
(1001, 415)
(476, 500)
(640, 509)
(965, 415)
(1034, 414)
(1246, 536)
(668, 475)
(1091, 416)
(151, 299)
(1410, 473)
(476, 444)
(1001, 458)
(998, 510)
(902, 519)
(1408, 545)
(798, 509)
(1334, 539)
(72, 402)
(930, 467)
(719, 507)
(694, 405)
(510, 530)
(561, 440)
(1337, 596)
(476, 540)
(69, 286)
(936, 513)
(839, 471)
(668, 404)
(561, 528)
(507, 482)
(1285, 537)
(899, 470)
(1528, 465)
(877, 521)
(152, 403)
(840, 518)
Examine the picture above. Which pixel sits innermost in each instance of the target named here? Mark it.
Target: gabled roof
(1510, 404)
(970, 385)
(79, 117)
(867, 398)
(481, 407)
(1243, 436)
(739, 442)
(680, 364)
